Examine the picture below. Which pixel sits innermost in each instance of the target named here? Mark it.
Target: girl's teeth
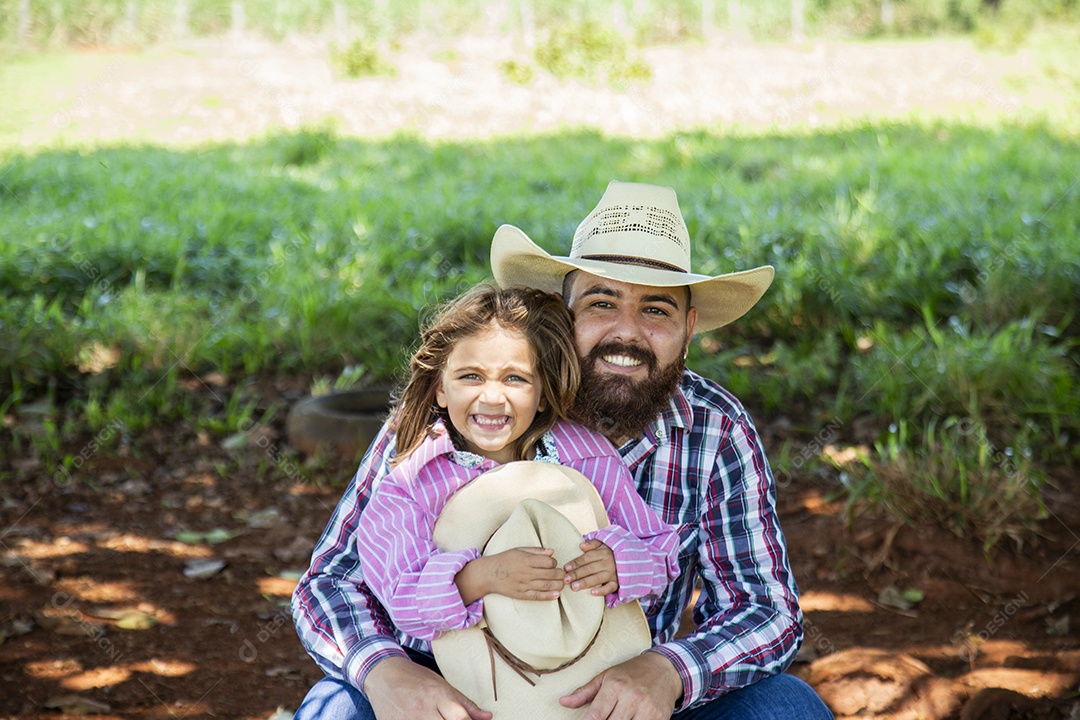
(490, 421)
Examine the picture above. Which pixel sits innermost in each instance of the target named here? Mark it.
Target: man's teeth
(488, 420)
(622, 360)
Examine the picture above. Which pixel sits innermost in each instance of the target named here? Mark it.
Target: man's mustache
(636, 352)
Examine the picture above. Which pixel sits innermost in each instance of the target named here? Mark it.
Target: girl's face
(491, 390)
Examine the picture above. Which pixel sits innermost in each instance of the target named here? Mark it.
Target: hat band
(521, 667)
(628, 260)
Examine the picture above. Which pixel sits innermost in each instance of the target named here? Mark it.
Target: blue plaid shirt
(702, 468)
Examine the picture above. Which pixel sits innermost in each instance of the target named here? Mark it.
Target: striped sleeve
(412, 578)
(645, 548)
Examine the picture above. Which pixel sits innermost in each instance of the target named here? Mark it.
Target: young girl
(492, 382)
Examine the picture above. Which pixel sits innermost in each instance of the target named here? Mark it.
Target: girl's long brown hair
(545, 322)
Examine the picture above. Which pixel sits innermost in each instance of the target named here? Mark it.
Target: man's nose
(625, 327)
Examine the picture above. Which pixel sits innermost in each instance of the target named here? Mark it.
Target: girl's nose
(492, 394)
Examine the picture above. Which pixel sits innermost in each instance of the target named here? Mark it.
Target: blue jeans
(778, 697)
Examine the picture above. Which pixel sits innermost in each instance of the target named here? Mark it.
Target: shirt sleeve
(749, 622)
(646, 549)
(412, 578)
(340, 622)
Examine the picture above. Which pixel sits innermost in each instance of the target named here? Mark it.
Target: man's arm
(642, 688)
(348, 633)
(340, 623)
(749, 624)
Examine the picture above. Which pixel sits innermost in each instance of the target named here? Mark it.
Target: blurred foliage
(88, 23)
(516, 71)
(591, 51)
(360, 58)
(950, 474)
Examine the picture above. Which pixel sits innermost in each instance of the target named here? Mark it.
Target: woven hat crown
(527, 501)
(636, 224)
(543, 634)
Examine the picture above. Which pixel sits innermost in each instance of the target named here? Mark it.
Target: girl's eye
(516, 379)
(470, 376)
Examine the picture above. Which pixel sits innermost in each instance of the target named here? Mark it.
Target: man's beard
(617, 406)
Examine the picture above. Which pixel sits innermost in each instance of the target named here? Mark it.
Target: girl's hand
(526, 573)
(594, 568)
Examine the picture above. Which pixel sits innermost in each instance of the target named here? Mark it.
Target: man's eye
(656, 311)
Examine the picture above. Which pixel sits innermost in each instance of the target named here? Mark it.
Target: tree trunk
(131, 21)
(237, 26)
(798, 20)
(888, 14)
(183, 16)
(24, 22)
(528, 23)
(341, 20)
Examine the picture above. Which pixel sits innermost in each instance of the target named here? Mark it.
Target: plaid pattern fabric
(701, 467)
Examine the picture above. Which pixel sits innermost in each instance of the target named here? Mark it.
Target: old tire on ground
(343, 423)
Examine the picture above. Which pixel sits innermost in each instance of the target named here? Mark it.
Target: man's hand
(525, 573)
(594, 568)
(399, 689)
(642, 688)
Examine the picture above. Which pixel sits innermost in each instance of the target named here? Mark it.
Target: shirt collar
(679, 413)
(442, 444)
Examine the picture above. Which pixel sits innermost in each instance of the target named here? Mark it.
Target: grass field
(925, 307)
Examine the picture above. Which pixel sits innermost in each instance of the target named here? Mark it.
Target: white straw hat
(636, 234)
(570, 640)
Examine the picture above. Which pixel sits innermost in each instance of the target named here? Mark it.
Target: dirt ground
(97, 612)
(100, 615)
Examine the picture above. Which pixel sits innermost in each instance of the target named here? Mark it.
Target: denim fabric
(778, 697)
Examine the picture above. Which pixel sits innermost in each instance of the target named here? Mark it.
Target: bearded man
(697, 461)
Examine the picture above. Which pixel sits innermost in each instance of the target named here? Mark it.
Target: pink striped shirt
(414, 580)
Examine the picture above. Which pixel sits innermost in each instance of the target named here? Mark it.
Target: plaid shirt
(701, 467)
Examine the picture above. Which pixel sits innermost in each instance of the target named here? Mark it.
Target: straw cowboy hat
(636, 234)
(524, 655)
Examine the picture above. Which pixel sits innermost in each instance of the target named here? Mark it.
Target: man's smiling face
(632, 340)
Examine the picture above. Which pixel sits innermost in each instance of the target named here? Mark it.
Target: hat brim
(516, 261)
(463, 660)
(467, 520)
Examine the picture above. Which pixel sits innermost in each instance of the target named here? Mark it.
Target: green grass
(927, 280)
(306, 251)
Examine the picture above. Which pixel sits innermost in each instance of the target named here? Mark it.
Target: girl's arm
(646, 549)
(412, 578)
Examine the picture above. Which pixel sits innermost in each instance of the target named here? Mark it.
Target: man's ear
(691, 321)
